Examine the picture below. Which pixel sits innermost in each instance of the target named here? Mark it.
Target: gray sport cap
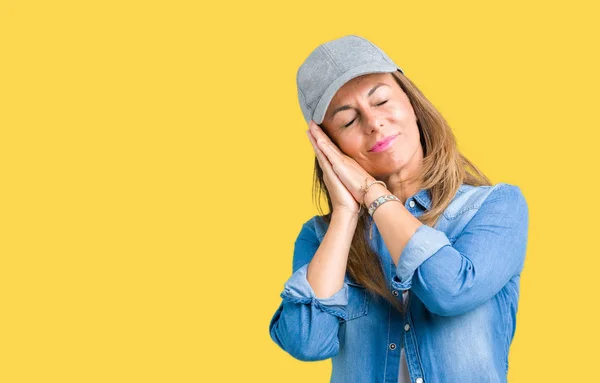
(331, 65)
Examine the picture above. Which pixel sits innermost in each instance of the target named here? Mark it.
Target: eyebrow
(345, 107)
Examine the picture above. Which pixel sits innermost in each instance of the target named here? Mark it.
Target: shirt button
(419, 380)
(392, 346)
(406, 327)
(412, 204)
(395, 293)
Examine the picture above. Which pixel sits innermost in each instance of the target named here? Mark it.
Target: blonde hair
(444, 169)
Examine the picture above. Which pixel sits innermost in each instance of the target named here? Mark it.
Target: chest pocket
(358, 300)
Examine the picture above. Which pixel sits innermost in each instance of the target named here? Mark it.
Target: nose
(373, 122)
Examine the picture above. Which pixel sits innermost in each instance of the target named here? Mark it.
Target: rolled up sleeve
(306, 326)
(298, 290)
(424, 243)
(451, 279)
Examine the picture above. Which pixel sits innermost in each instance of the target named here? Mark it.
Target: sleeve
(305, 326)
(454, 279)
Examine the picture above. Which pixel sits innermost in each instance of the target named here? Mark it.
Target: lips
(381, 145)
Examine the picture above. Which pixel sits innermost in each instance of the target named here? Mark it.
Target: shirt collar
(423, 198)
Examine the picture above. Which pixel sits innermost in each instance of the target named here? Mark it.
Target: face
(366, 110)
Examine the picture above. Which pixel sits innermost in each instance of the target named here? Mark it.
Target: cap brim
(325, 99)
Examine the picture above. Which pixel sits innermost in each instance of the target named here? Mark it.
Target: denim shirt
(463, 281)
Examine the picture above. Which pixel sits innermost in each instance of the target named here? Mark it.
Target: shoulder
(308, 241)
(469, 197)
(500, 206)
(314, 229)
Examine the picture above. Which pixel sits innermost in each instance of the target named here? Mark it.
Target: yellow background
(155, 172)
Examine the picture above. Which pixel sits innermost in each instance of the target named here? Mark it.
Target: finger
(329, 149)
(325, 143)
(318, 152)
(323, 161)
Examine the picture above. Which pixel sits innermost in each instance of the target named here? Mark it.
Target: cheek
(397, 114)
(351, 146)
(402, 110)
(402, 113)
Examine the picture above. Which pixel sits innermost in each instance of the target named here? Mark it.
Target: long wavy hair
(444, 169)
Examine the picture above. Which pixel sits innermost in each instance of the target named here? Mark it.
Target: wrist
(373, 193)
(344, 215)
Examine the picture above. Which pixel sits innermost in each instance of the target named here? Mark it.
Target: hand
(341, 198)
(349, 172)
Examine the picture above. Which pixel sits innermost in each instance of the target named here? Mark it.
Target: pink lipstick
(381, 146)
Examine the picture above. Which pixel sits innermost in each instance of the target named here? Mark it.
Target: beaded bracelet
(380, 201)
(375, 204)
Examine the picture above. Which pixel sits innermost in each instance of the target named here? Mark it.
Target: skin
(371, 121)
(343, 154)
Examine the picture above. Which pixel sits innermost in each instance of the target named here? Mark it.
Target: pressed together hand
(343, 176)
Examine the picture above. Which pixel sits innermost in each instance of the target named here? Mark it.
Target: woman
(424, 290)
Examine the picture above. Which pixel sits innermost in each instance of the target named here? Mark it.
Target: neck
(401, 189)
(403, 183)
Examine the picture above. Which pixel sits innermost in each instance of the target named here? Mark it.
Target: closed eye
(350, 123)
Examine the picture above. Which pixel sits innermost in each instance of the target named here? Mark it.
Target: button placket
(409, 343)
